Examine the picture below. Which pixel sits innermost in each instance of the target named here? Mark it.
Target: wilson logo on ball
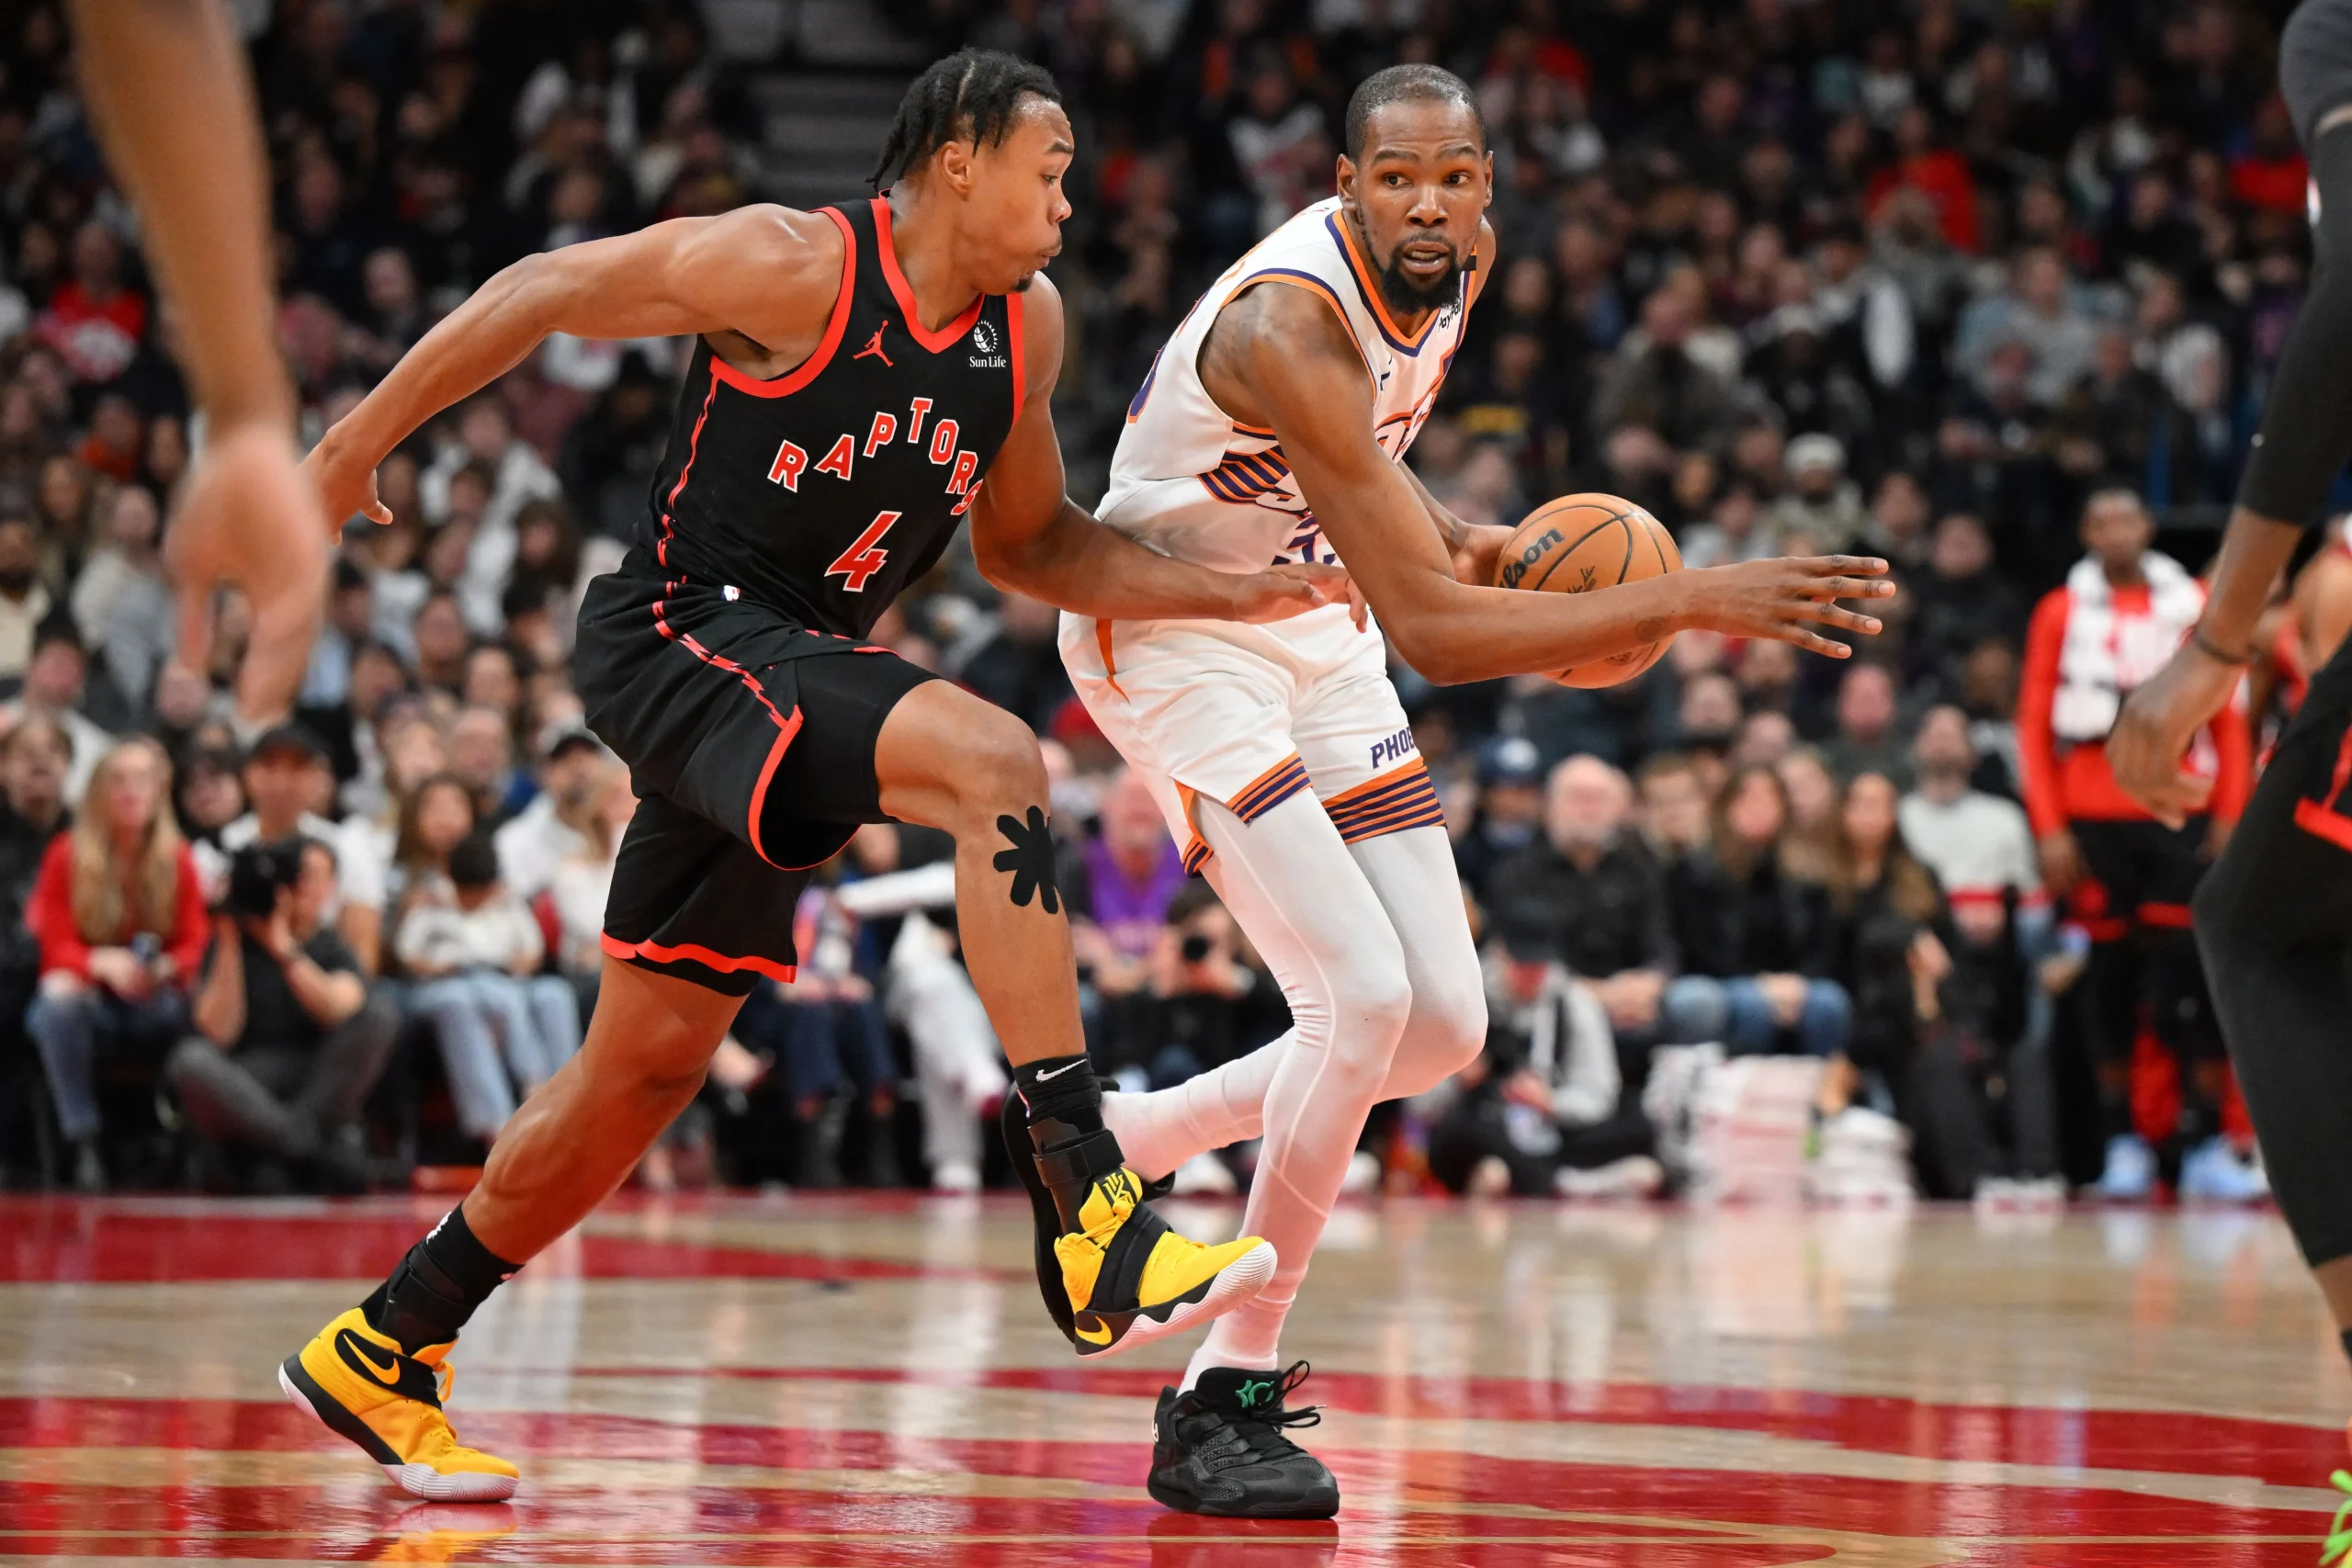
(1515, 570)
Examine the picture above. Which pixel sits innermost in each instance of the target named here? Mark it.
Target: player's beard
(1409, 295)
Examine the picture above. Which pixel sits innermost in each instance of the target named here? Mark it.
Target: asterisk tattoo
(1031, 861)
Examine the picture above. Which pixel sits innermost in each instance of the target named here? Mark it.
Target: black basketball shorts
(749, 741)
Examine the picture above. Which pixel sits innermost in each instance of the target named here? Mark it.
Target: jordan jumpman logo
(874, 347)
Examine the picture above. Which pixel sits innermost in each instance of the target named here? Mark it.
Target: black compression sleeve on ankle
(437, 1286)
(1062, 1090)
(474, 1268)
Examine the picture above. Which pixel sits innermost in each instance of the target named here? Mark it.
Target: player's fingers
(1844, 566)
(374, 512)
(192, 643)
(284, 624)
(1805, 637)
(1832, 614)
(1847, 588)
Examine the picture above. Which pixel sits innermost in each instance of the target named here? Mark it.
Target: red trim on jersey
(767, 773)
(800, 375)
(694, 445)
(2315, 818)
(904, 292)
(1020, 364)
(702, 955)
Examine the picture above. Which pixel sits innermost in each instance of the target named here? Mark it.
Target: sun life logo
(984, 339)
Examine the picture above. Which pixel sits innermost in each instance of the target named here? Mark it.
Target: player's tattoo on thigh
(1031, 861)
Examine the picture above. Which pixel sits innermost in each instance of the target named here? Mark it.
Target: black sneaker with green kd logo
(1223, 1448)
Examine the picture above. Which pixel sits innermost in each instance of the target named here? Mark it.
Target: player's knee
(997, 768)
(1380, 999)
(1449, 1025)
(660, 1081)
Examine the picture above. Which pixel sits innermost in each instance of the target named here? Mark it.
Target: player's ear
(954, 164)
(1344, 179)
(1491, 178)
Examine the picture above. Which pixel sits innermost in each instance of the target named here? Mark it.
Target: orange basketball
(1582, 542)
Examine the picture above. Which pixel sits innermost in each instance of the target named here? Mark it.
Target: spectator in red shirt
(93, 321)
(2128, 878)
(119, 916)
(2271, 174)
(1939, 173)
(116, 440)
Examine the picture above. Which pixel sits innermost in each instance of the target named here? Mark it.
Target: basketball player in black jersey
(2274, 916)
(865, 379)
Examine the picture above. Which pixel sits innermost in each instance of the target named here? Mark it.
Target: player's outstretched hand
(1281, 591)
(345, 484)
(251, 518)
(1789, 598)
(2160, 719)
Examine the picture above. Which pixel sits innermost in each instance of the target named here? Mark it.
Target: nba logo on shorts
(730, 594)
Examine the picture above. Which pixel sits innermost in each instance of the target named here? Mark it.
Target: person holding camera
(119, 911)
(288, 1042)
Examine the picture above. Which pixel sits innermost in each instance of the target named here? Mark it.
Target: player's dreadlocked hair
(1400, 84)
(971, 93)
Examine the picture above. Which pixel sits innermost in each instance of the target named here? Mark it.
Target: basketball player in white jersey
(1271, 428)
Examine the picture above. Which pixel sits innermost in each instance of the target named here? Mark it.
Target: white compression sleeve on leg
(1412, 874)
(1289, 881)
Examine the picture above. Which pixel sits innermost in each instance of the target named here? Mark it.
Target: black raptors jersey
(824, 492)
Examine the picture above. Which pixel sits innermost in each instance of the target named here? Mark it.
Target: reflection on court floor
(870, 1381)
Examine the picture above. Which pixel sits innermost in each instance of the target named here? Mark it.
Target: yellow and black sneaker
(361, 1385)
(1115, 1275)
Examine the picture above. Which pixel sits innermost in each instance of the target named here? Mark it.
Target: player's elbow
(1004, 569)
(1439, 656)
(540, 290)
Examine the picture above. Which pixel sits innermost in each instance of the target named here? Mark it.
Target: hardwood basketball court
(868, 1382)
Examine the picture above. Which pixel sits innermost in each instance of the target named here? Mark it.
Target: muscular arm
(1279, 356)
(1470, 547)
(765, 275)
(1029, 537)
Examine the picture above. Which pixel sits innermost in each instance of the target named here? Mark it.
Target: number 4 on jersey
(858, 563)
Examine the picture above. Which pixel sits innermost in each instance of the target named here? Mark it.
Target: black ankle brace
(1059, 1088)
(437, 1286)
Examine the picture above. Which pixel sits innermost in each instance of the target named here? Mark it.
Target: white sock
(1160, 1131)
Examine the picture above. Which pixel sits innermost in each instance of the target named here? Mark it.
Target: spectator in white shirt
(1978, 845)
(54, 682)
(558, 822)
(486, 435)
(122, 601)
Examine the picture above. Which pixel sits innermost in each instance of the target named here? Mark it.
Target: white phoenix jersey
(1191, 481)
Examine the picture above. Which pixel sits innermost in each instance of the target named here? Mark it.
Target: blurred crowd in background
(1974, 287)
